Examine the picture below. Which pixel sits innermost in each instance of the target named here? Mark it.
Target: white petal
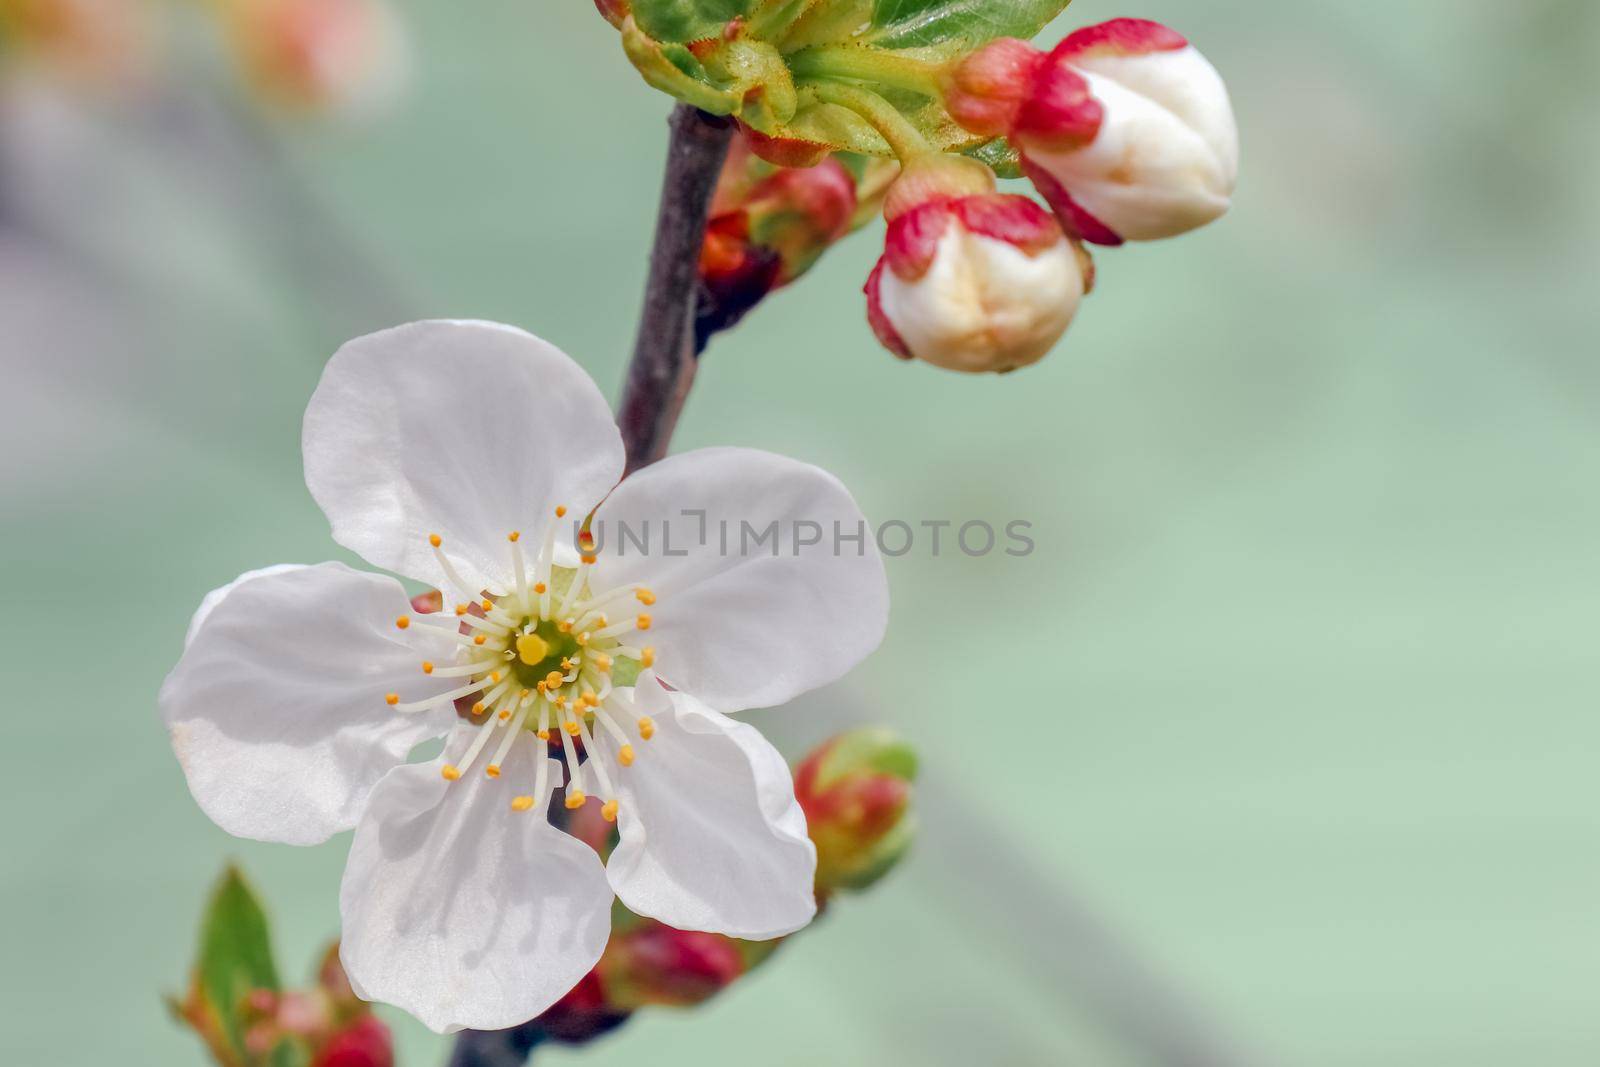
(712, 837)
(276, 708)
(462, 911)
(464, 429)
(215, 597)
(746, 617)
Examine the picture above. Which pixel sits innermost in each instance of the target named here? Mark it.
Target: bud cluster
(1124, 128)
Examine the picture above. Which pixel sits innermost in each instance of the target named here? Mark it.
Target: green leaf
(916, 23)
(235, 952)
(1000, 157)
(677, 21)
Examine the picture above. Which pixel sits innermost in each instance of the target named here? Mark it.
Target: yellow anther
(646, 597)
(487, 604)
(403, 621)
(625, 755)
(602, 664)
(521, 803)
(427, 668)
(478, 708)
(643, 621)
(539, 587)
(588, 557)
(602, 620)
(479, 639)
(433, 539)
(450, 772)
(565, 626)
(513, 535)
(505, 713)
(493, 770)
(589, 698)
(494, 676)
(647, 727)
(531, 648)
(647, 657)
(461, 609)
(392, 699)
(543, 735)
(608, 811)
(567, 664)
(575, 799)
(571, 726)
(582, 639)
(553, 680)
(561, 511)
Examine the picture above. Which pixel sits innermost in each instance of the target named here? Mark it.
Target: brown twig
(652, 397)
(664, 353)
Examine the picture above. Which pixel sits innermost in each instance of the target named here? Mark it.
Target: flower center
(545, 660)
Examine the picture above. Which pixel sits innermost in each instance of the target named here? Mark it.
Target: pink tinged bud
(936, 177)
(798, 212)
(986, 89)
(365, 1042)
(652, 963)
(980, 283)
(856, 793)
(1163, 158)
(320, 55)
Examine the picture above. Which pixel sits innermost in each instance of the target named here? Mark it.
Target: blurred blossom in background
(1294, 701)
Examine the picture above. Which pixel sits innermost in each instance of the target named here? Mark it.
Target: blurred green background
(1296, 697)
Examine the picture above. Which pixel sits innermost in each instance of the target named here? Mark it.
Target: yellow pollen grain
(571, 726)
(625, 755)
(403, 621)
(647, 727)
(647, 657)
(487, 605)
(450, 772)
(643, 621)
(521, 803)
(539, 587)
(543, 735)
(494, 676)
(561, 511)
(575, 799)
(461, 609)
(427, 668)
(645, 596)
(493, 770)
(513, 535)
(552, 680)
(505, 713)
(531, 648)
(433, 539)
(479, 639)
(392, 699)
(608, 811)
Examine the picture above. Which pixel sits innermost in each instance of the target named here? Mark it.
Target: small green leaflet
(916, 23)
(235, 951)
(677, 21)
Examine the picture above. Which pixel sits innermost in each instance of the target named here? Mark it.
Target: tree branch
(664, 353)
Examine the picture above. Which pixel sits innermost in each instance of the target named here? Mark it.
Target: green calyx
(844, 75)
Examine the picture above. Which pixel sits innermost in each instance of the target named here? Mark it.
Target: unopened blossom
(320, 55)
(856, 793)
(971, 279)
(97, 42)
(1124, 127)
(460, 455)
